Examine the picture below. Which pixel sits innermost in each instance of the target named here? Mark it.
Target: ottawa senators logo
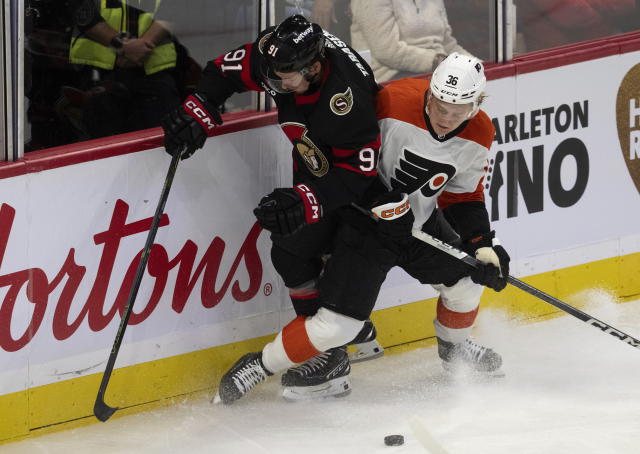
(314, 159)
(341, 103)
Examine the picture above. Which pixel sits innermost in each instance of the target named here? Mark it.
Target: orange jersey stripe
(455, 320)
(296, 341)
(446, 199)
(398, 100)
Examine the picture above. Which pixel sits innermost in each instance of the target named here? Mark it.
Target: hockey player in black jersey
(435, 143)
(325, 94)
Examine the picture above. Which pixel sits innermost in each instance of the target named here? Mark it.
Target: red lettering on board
(96, 309)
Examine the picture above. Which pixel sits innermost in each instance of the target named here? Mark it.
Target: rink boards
(563, 191)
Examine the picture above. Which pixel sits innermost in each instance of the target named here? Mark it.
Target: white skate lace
(312, 365)
(473, 351)
(248, 377)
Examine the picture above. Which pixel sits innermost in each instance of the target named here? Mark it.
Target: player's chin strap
(466, 258)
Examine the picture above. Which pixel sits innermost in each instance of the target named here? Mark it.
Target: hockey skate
(245, 374)
(469, 356)
(365, 346)
(322, 376)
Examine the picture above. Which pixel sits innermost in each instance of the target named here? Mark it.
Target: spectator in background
(550, 23)
(130, 60)
(405, 38)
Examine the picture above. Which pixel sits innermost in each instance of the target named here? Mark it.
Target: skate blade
(365, 351)
(339, 387)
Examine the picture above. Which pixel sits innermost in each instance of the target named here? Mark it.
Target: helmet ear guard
(459, 79)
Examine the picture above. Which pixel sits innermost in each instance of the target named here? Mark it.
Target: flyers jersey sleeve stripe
(415, 160)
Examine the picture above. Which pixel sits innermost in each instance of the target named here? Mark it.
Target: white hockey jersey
(433, 172)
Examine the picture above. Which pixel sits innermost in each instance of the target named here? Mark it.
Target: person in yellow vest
(130, 59)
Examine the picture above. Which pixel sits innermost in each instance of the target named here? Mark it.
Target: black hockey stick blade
(101, 410)
(466, 258)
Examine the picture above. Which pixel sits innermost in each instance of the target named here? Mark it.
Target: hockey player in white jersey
(435, 143)
(436, 152)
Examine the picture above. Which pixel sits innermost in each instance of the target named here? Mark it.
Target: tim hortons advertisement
(71, 242)
(628, 121)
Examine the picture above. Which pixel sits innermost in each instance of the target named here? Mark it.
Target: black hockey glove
(286, 210)
(395, 218)
(494, 269)
(187, 127)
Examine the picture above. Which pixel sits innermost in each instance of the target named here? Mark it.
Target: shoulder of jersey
(480, 130)
(403, 100)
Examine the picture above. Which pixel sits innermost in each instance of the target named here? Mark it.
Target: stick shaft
(100, 409)
(466, 258)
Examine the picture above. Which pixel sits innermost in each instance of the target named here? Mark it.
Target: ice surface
(569, 388)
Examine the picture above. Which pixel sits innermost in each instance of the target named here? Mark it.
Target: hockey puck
(394, 440)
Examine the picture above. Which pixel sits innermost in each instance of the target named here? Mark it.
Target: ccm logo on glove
(194, 108)
(312, 209)
(392, 210)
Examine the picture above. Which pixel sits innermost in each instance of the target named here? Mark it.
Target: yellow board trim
(69, 404)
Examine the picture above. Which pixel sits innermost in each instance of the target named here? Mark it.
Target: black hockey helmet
(295, 44)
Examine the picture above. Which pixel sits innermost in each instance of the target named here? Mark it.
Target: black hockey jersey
(333, 127)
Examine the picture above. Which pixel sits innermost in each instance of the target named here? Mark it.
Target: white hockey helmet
(459, 79)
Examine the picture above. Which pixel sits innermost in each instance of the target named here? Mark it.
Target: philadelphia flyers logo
(414, 172)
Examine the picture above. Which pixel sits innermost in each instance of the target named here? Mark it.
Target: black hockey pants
(361, 259)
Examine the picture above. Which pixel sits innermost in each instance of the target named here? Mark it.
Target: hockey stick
(466, 258)
(101, 410)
